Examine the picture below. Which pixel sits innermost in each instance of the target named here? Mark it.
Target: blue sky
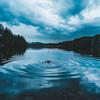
(51, 20)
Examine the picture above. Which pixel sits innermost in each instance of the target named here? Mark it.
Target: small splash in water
(66, 70)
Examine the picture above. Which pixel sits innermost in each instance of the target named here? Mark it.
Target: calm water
(51, 74)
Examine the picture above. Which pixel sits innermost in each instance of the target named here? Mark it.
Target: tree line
(9, 41)
(84, 45)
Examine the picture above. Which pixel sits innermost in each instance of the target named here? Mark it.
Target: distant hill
(15, 43)
(84, 45)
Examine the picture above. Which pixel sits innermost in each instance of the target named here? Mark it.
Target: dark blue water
(50, 69)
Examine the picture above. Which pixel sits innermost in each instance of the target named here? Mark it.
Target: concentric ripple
(52, 70)
(18, 75)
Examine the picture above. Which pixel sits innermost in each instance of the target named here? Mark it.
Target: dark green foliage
(10, 44)
(84, 45)
(95, 45)
(87, 45)
(10, 41)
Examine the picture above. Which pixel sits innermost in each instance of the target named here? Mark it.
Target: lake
(50, 74)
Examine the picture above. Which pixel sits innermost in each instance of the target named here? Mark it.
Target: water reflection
(50, 74)
(6, 54)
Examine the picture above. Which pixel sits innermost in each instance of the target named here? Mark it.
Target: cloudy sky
(51, 20)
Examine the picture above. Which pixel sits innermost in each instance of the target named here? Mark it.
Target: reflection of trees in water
(10, 44)
(89, 45)
(7, 53)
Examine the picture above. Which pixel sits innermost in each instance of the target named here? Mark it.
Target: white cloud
(91, 12)
(28, 31)
(89, 15)
(51, 16)
(74, 22)
(38, 11)
(48, 11)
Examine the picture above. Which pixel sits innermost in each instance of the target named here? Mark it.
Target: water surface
(51, 74)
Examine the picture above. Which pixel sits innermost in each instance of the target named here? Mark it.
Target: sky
(51, 20)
